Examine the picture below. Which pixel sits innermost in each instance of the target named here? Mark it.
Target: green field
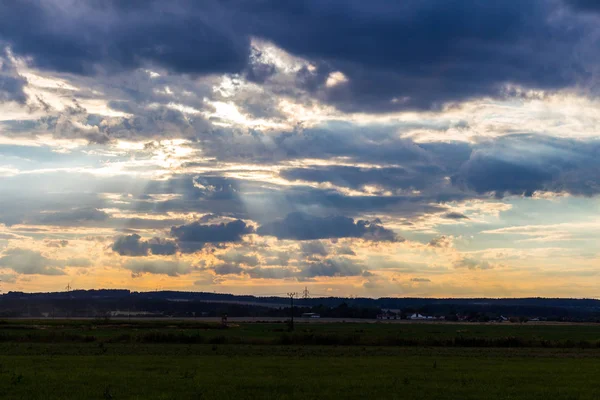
(366, 334)
(187, 360)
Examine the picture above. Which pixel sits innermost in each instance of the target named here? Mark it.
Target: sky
(423, 148)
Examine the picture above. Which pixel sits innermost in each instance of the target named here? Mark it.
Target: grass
(106, 368)
(363, 334)
(228, 372)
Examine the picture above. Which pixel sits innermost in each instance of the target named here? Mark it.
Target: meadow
(197, 360)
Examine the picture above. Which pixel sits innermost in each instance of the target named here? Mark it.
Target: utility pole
(292, 295)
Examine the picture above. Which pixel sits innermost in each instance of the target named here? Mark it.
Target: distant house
(417, 316)
(310, 315)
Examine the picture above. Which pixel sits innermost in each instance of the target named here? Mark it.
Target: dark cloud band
(417, 54)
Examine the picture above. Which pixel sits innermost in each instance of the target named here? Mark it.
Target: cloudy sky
(359, 148)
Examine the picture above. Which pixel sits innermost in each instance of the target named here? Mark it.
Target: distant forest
(123, 303)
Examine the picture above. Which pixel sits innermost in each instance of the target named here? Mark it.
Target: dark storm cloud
(456, 49)
(194, 236)
(396, 55)
(162, 247)
(311, 249)
(357, 178)
(130, 245)
(228, 269)
(301, 226)
(134, 246)
(224, 232)
(489, 174)
(331, 202)
(426, 175)
(83, 37)
(522, 165)
(238, 257)
(259, 71)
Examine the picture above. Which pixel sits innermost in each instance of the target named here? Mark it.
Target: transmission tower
(305, 293)
(68, 287)
(291, 295)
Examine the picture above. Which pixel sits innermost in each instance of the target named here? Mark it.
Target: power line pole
(69, 310)
(292, 295)
(305, 293)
